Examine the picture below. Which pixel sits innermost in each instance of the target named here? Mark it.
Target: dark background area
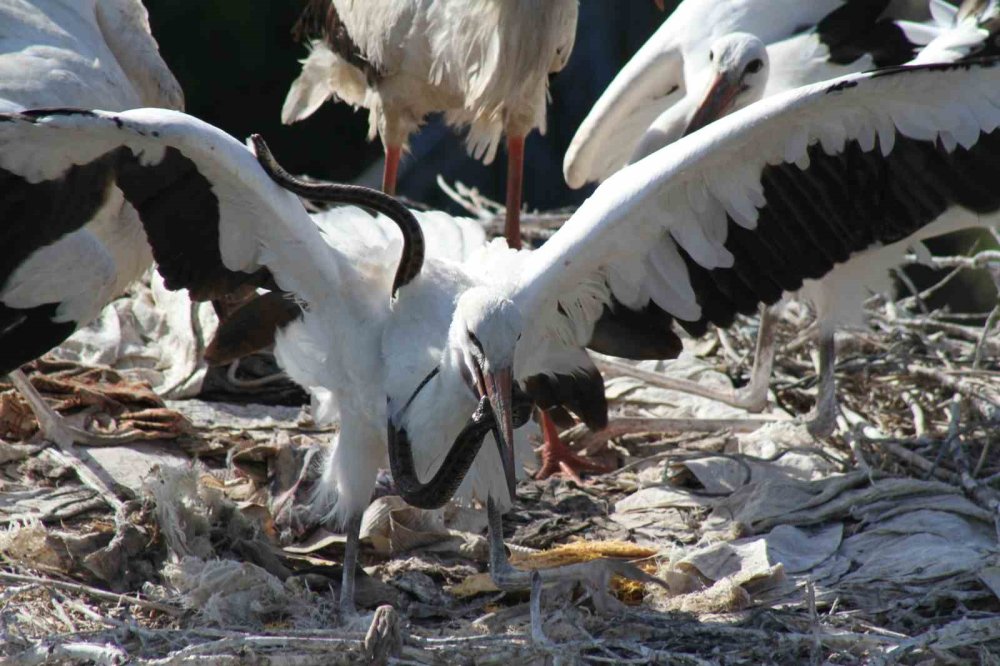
(236, 65)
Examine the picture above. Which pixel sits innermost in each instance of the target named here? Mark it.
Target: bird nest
(877, 545)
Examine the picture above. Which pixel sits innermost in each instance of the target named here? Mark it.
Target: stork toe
(558, 458)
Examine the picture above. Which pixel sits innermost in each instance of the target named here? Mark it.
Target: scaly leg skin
(391, 171)
(55, 428)
(557, 458)
(537, 625)
(348, 612)
(822, 421)
(595, 575)
(515, 182)
(752, 397)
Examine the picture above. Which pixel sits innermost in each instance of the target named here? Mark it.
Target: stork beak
(498, 390)
(718, 101)
(659, 5)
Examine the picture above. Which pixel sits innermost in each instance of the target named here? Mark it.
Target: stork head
(739, 68)
(483, 338)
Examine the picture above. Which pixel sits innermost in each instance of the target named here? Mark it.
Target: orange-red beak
(718, 101)
(659, 5)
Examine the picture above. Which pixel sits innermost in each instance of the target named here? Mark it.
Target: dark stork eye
(711, 56)
(755, 65)
(475, 342)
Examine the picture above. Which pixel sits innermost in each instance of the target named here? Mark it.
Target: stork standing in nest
(484, 63)
(869, 34)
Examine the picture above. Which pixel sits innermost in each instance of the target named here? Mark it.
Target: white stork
(739, 70)
(483, 63)
(726, 218)
(215, 219)
(958, 34)
(742, 70)
(677, 68)
(58, 269)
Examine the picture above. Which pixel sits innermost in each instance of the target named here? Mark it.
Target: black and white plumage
(699, 231)
(70, 242)
(707, 55)
(736, 215)
(483, 63)
(856, 37)
(837, 297)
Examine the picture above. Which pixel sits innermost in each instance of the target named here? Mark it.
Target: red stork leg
(557, 458)
(392, 155)
(515, 180)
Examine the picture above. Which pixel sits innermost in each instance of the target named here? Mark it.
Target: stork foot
(54, 428)
(348, 612)
(65, 434)
(557, 458)
(821, 423)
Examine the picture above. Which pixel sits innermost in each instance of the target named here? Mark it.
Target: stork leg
(515, 183)
(55, 428)
(557, 458)
(348, 611)
(823, 419)
(393, 153)
(752, 397)
(595, 575)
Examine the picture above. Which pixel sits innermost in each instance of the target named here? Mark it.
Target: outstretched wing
(212, 216)
(745, 209)
(856, 37)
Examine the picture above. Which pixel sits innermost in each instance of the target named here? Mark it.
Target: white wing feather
(260, 224)
(633, 209)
